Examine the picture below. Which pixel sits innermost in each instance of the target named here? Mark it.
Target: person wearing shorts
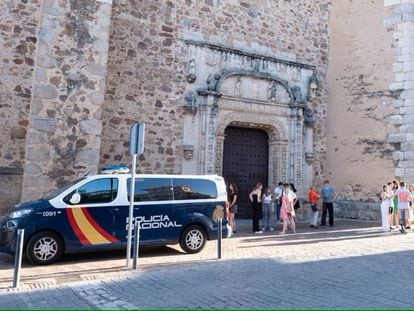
(390, 194)
(404, 199)
(233, 206)
(395, 187)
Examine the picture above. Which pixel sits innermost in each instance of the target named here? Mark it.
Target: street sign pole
(131, 210)
(136, 146)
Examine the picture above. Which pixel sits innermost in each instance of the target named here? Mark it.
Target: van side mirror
(75, 198)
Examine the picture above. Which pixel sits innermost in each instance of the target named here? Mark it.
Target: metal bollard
(136, 247)
(220, 236)
(18, 257)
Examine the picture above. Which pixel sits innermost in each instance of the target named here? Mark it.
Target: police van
(92, 214)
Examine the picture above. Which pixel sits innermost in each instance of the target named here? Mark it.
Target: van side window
(151, 189)
(192, 189)
(102, 190)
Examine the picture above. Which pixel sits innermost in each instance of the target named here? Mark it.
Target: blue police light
(115, 169)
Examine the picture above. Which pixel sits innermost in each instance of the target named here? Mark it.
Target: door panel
(245, 162)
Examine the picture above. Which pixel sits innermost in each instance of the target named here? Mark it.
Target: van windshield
(58, 191)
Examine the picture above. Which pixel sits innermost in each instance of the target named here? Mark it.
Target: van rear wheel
(193, 239)
(44, 248)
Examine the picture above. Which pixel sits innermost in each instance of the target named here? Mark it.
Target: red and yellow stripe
(86, 228)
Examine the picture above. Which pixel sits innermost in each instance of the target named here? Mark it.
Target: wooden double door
(245, 162)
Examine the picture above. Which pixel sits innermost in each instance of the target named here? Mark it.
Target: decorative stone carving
(188, 151)
(312, 86)
(272, 92)
(190, 102)
(237, 87)
(277, 130)
(309, 115)
(212, 82)
(297, 95)
(191, 76)
(309, 157)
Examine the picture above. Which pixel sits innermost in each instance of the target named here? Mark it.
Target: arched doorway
(245, 162)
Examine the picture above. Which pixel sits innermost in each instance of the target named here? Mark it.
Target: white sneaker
(272, 229)
(258, 232)
(263, 229)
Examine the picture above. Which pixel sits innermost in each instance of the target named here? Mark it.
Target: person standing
(328, 196)
(404, 199)
(256, 199)
(267, 201)
(410, 213)
(313, 200)
(287, 212)
(395, 187)
(391, 204)
(278, 200)
(233, 206)
(385, 207)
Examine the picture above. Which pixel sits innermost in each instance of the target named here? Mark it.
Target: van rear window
(193, 189)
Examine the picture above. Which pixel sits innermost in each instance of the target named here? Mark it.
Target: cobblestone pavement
(353, 265)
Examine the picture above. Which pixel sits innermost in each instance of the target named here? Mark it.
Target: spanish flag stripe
(87, 228)
(82, 238)
(98, 227)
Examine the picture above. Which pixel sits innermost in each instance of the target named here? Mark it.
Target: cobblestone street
(353, 265)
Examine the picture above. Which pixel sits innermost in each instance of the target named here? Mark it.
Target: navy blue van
(92, 214)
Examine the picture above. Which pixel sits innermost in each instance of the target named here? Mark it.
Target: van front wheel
(193, 239)
(44, 248)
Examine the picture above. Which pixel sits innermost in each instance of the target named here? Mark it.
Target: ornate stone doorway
(233, 88)
(245, 162)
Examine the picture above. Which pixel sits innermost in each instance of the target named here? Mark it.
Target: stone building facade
(327, 100)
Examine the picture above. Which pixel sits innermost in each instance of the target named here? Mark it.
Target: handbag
(314, 207)
(297, 205)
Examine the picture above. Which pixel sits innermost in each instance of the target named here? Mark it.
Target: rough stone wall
(360, 103)
(148, 60)
(70, 79)
(400, 21)
(18, 21)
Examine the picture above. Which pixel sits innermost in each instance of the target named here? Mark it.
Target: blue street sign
(137, 135)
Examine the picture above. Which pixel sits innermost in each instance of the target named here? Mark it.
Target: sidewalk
(111, 264)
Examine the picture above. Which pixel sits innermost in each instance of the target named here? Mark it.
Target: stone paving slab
(353, 265)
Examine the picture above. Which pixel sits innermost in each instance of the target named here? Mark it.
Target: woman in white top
(267, 200)
(385, 207)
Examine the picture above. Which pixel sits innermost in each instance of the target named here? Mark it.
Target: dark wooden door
(245, 162)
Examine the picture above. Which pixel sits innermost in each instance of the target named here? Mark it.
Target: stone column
(278, 161)
(309, 157)
(219, 154)
(208, 111)
(296, 146)
(309, 123)
(298, 140)
(65, 124)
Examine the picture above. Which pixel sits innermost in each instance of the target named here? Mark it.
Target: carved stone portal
(235, 88)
